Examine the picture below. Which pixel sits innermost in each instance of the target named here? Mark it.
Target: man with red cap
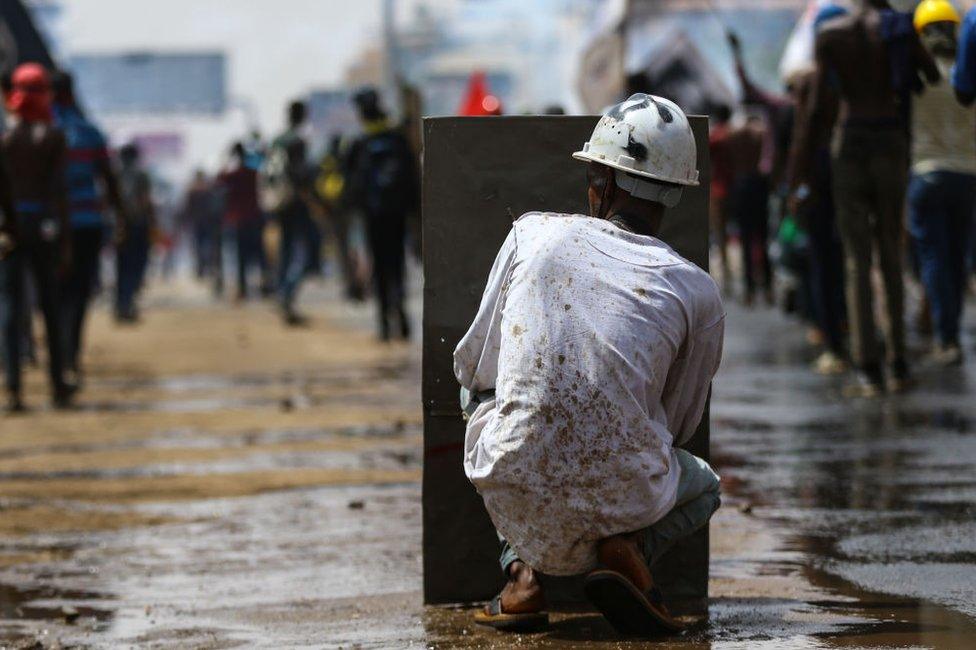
(34, 151)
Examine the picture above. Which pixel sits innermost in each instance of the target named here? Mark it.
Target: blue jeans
(941, 223)
(132, 257)
(293, 256)
(698, 497)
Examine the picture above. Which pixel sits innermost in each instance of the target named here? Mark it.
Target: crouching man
(587, 365)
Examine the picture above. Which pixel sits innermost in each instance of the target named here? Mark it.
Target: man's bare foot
(623, 554)
(522, 593)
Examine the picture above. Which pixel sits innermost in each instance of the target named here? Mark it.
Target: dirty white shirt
(601, 345)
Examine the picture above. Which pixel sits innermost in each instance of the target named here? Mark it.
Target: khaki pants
(870, 176)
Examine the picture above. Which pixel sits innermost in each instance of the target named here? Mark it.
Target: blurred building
(679, 48)
(527, 51)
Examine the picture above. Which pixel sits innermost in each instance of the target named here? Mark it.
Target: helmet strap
(667, 195)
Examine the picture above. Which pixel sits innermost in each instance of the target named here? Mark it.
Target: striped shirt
(86, 149)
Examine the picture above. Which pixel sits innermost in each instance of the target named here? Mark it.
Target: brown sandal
(629, 611)
(492, 616)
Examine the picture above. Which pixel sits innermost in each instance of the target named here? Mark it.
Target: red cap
(31, 76)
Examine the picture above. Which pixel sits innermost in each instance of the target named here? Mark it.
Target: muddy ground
(226, 482)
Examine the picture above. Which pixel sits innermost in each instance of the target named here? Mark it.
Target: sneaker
(15, 405)
(294, 319)
(947, 355)
(868, 383)
(899, 377)
(829, 363)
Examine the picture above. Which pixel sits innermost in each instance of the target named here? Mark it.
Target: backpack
(386, 174)
(275, 187)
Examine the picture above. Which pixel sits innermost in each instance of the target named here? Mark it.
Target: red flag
(478, 100)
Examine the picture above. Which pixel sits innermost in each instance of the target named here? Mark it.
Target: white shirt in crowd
(942, 128)
(601, 345)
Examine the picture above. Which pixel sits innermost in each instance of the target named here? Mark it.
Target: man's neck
(639, 225)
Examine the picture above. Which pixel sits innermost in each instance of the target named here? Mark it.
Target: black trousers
(826, 255)
(387, 243)
(750, 209)
(39, 258)
(80, 288)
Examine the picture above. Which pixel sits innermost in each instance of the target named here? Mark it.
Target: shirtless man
(35, 154)
(812, 202)
(589, 361)
(871, 58)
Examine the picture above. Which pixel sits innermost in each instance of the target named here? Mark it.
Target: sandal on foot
(629, 611)
(493, 616)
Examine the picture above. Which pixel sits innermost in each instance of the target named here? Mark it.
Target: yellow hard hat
(935, 11)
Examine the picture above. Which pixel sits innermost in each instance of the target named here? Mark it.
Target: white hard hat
(647, 137)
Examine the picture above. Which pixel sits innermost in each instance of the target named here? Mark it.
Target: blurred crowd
(67, 199)
(859, 179)
(273, 209)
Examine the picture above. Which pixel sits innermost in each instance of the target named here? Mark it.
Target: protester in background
(776, 113)
(134, 235)
(942, 190)
(719, 154)
(285, 191)
(90, 179)
(11, 288)
(242, 216)
(964, 82)
(35, 151)
(873, 65)
(201, 217)
(329, 189)
(810, 184)
(383, 182)
(749, 205)
(256, 152)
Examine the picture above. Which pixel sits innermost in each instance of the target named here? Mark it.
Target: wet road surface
(229, 483)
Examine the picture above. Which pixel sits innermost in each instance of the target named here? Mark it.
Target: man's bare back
(853, 56)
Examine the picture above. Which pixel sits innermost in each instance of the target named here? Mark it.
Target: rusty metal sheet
(479, 175)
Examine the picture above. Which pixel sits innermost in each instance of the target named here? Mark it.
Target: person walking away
(134, 236)
(586, 367)
(812, 200)
(285, 191)
(35, 152)
(749, 206)
(383, 182)
(90, 182)
(201, 218)
(942, 190)
(964, 83)
(329, 189)
(872, 62)
(11, 287)
(255, 154)
(242, 214)
(718, 137)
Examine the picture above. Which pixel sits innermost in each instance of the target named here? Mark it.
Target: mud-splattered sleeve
(476, 356)
(690, 377)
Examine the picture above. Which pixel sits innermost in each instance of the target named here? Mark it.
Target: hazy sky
(277, 49)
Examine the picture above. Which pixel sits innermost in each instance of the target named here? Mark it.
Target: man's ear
(609, 189)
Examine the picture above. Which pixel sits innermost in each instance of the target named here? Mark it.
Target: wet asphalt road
(260, 488)
(881, 493)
